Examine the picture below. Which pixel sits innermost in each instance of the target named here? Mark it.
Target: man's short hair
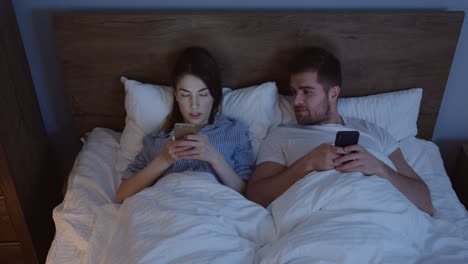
(318, 60)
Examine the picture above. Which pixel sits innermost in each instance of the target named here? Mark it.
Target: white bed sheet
(93, 183)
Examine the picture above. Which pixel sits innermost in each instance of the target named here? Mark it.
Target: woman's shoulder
(154, 136)
(232, 124)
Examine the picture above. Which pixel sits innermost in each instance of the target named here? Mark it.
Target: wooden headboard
(379, 52)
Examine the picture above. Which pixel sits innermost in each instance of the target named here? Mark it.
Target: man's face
(311, 102)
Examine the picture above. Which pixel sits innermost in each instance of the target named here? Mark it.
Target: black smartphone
(346, 138)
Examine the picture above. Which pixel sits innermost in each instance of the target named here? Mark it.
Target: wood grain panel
(12, 253)
(24, 177)
(12, 214)
(379, 51)
(7, 231)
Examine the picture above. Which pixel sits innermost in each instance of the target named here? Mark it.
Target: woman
(221, 147)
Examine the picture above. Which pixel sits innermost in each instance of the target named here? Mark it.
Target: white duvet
(327, 217)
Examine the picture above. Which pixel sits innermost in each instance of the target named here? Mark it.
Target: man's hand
(358, 159)
(271, 179)
(405, 179)
(323, 157)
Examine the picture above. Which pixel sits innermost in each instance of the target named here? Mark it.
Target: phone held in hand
(183, 129)
(346, 138)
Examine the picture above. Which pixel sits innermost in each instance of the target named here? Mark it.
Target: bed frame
(379, 51)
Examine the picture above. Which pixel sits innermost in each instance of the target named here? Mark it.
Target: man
(290, 153)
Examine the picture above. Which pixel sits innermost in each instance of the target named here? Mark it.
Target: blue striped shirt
(228, 136)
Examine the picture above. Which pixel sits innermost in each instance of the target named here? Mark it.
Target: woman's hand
(199, 147)
(169, 153)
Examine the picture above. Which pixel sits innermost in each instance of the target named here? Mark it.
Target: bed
(191, 218)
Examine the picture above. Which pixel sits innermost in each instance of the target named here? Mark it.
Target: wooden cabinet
(7, 232)
(28, 188)
(460, 181)
(11, 253)
(15, 241)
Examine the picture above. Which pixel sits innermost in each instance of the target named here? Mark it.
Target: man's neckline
(343, 123)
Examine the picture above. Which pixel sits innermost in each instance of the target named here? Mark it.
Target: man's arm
(271, 179)
(405, 179)
(409, 182)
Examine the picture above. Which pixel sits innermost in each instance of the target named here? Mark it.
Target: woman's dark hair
(198, 62)
(318, 60)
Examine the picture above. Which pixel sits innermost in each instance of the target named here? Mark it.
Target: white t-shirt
(286, 144)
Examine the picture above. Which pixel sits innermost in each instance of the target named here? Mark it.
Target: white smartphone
(183, 129)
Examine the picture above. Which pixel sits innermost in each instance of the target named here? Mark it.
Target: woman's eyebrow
(187, 91)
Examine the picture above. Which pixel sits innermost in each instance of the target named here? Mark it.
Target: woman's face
(194, 100)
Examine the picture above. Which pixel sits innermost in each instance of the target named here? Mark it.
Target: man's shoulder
(370, 128)
(283, 130)
(362, 125)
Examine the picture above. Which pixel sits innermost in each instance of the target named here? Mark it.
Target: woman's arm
(142, 179)
(227, 175)
(148, 176)
(201, 149)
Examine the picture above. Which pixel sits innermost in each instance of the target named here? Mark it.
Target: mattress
(88, 204)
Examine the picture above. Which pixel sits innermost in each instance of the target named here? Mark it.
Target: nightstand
(29, 185)
(460, 182)
(15, 241)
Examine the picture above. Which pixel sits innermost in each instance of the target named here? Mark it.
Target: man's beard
(319, 117)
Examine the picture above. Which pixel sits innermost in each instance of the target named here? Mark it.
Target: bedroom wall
(36, 30)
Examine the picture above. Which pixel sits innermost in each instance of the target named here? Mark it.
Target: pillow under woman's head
(148, 105)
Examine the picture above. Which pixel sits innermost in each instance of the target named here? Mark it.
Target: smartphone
(346, 138)
(182, 129)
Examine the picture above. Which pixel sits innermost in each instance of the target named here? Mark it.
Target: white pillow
(148, 105)
(397, 112)
(253, 107)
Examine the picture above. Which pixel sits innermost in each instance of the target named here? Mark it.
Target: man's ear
(334, 93)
